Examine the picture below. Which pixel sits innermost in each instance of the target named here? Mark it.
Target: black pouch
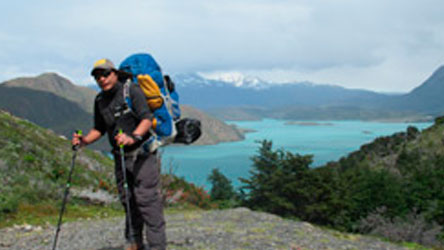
(188, 130)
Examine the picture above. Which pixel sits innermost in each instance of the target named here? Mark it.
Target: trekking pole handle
(121, 132)
(76, 147)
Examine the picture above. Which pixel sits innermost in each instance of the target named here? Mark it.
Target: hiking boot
(133, 246)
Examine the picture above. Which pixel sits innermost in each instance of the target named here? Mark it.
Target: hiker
(112, 114)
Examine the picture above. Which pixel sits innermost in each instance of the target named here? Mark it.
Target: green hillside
(34, 164)
(390, 152)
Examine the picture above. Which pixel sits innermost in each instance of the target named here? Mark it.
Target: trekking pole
(125, 186)
(65, 196)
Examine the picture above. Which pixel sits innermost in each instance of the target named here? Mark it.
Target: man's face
(106, 79)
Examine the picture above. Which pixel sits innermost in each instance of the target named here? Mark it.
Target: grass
(48, 213)
(415, 246)
(182, 210)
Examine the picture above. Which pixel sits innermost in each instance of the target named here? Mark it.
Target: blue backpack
(163, 101)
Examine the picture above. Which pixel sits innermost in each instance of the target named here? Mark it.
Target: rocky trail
(216, 229)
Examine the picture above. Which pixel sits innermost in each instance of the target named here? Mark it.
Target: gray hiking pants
(143, 174)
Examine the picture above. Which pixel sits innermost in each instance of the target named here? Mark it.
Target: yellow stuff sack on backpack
(151, 91)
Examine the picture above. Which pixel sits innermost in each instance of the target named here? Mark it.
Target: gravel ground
(217, 229)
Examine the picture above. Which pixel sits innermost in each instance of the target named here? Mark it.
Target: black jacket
(112, 113)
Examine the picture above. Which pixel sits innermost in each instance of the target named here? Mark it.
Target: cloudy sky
(381, 45)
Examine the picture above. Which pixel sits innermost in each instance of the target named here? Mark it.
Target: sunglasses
(99, 73)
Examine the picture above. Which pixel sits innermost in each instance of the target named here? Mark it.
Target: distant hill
(427, 98)
(45, 109)
(213, 130)
(58, 85)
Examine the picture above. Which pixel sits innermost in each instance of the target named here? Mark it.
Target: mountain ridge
(224, 97)
(222, 94)
(426, 97)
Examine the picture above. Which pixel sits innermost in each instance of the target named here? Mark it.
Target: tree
(279, 181)
(222, 189)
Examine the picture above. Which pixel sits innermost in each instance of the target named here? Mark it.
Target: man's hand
(77, 139)
(124, 139)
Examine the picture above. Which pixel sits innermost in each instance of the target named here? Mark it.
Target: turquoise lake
(326, 140)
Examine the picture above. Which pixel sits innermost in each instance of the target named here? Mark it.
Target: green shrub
(439, 120)
(178, 192)
(8, 202)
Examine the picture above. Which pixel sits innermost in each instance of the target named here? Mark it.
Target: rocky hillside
(218, 229)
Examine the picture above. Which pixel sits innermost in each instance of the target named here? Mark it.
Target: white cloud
(381, 45)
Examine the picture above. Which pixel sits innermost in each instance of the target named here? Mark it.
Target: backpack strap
(127, 98)
(126, 94)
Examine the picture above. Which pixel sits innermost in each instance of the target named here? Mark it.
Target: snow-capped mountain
(237, 79)
(223, 90)
(190, 79)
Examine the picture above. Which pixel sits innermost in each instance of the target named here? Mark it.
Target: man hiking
(127, 129)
